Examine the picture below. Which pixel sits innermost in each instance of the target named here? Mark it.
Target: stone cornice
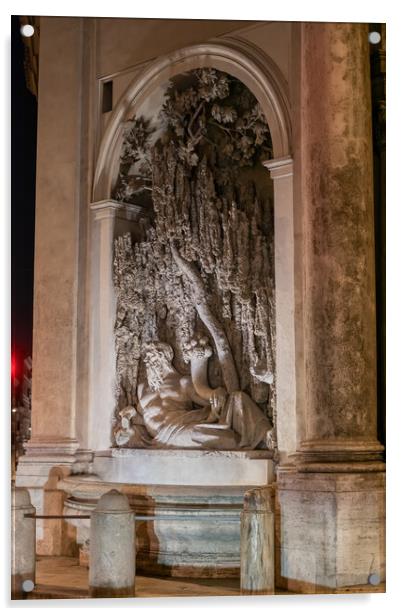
(279, 167)
(109, 208)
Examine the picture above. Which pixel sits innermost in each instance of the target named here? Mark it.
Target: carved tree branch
(193, 119)
(229, 372)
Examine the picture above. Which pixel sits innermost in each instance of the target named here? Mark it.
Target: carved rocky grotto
(198, 290)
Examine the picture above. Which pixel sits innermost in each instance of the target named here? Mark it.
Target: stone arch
(261, 75)
(241, 60)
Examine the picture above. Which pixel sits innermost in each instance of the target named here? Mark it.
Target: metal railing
(139, 518)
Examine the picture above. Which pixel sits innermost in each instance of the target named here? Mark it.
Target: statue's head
(157, 357)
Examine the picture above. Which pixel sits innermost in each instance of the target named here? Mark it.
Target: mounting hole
(27, 30)
(374, 37)
(374, 579)
(28, 585)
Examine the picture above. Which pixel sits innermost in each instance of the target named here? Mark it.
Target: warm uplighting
(14, 410)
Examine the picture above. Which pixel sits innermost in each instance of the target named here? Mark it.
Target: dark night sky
(23, 163)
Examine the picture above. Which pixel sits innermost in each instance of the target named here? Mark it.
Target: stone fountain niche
(195, 325)
(184, 379)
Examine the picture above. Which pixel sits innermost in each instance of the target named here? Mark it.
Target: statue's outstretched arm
(228, 367)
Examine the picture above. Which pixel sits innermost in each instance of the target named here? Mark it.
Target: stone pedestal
(23, 544)
(185, 467)
(330, 530)
(257, 546)
(112, 548)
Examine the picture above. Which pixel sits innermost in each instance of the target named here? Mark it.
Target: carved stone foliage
(205, 265)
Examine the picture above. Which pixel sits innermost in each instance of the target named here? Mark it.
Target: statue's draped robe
(241, 425)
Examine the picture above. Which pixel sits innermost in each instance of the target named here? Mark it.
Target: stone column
(23, 544)
(339, 278)
(257, 549)
(59, 256)
(281, 171)
(331, 505)
(112, 547)
(109, 220)
(56, 237)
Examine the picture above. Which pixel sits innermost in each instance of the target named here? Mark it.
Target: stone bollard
(23, 544)
(112, 547)
(257, 548)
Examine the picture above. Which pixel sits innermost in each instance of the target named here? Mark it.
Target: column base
(61, 448)
(330, 530)
(339, 456)
(44, 464)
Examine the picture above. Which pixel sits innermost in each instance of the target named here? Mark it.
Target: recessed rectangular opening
(107, 96)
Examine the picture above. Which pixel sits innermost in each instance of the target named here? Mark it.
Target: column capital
(109, 208)
(279, 167)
